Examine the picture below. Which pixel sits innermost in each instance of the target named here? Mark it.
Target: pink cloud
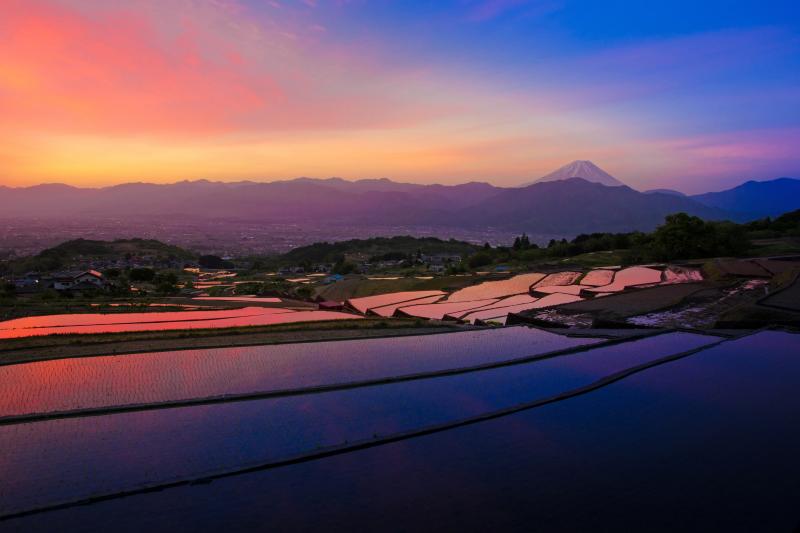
(181, 70)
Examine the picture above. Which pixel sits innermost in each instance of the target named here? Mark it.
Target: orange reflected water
(630, 277)
(127, 322)
(598, 277)
(362, 305)
(497, 289)
(389, 310)
(439, 310)
(503, 311)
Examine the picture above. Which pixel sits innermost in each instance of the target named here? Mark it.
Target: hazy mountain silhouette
(579, 206)
(566, 206)
(756, 199)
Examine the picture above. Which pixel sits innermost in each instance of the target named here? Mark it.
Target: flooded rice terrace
(162, 321)
(627, 421)
(119, 452)
(488, 302)
(64, 385)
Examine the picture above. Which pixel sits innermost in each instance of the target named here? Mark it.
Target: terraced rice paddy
(498, 314)
(525, 292)
(96, 382)
(519, 284)
(560, 289)
(128, 322)
(389, 310)
(617, 458)
(104, 455)
(598, 277)
(362, 305)
(630, 277)
(558, 278)
(439, 310)
(238, 299)
(519, 299)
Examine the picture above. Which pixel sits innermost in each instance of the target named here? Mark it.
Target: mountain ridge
(569, 206)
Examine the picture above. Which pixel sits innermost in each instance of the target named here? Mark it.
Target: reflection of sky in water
(104, 454)
(380, 300)
(76, 383)
(711, 435)
(497, 289)
(261, 316)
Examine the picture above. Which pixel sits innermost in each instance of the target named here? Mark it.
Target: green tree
(141, 274)
(479, 259)
(680, 237)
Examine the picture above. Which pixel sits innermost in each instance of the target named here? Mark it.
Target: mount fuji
(581, 169)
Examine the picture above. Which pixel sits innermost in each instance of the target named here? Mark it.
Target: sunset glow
(96, 92)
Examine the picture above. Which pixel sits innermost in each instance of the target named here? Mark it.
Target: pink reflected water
(558, 278)
(135, 379)
(561, 289)
(503, 311)
(94, 319)
(389, 310)
(439, 310)
(519, 299)
(497, 289)
(597, 278)
(238, 299)
(253, 316)
(362, 305)
(630, 277)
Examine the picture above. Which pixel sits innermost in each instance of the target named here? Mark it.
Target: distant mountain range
(566, 206)
(755, 199)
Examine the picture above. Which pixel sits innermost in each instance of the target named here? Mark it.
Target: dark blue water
(121, 452)
(709, 442)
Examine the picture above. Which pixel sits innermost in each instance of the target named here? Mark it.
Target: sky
(689, 95)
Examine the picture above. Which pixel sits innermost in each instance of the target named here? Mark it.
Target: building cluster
(82, 280)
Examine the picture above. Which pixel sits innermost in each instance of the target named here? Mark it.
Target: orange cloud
(180, 71)
(63, 71)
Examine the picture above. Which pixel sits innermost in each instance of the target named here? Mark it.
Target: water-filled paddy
(558, 278)
(121, 322)
(106, 454)
(598, 277)
(500, 311)
(96, 319)
(504, 302)
(362, 305)
(706, 443)
(518, 284)
(560, 289)
(94, 382)
(238, 299)
(389, 310)
(439, 310)
(630, 277)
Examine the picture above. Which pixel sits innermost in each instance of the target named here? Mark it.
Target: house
(440, 259)
(88, 279)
